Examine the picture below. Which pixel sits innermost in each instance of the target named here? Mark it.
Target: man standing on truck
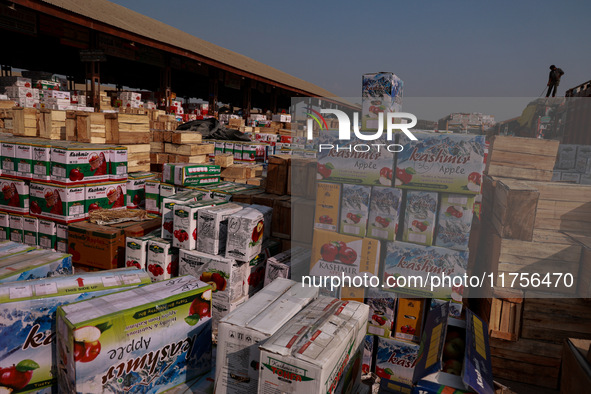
(554, 80)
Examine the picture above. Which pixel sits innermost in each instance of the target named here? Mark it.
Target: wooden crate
(584, 281)
(514, 209)
(24, 122)
(52, 124)
(527, 361)
(242, 171)
(505, 314)
(303, 177)
(277, 174)
(90, 127)
(522, 158)
(188, 149)
(224, 160)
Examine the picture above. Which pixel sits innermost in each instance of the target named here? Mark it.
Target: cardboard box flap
(315, 333)
(155, 293)
(477, 371)
(29, 262)
(429, 359)
(20, 257)
(95, 230)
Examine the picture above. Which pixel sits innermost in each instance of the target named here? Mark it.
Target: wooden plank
(519, 173)
(179, 137)
(514, 350)
(71, 123)
(495, 314)
(133, 119)
(521, 160)
(532, 146)
(157, 136)
(224, 160)
(562, 225)
(134, 138)
(189, 150)
(512, 247)
(157, 146)
(131, 128)
(528, 358)
(197, 159)
(83, 128)
(137, 148)
(539, 375)
(514, 209)
(558, 191)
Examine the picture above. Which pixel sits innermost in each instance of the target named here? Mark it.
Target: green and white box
(136, 250)
(151, 338)
(8, 155)
(61, 240)
(4, 226)
(41, 165)
(58, 202)
(47, 234)
(152, 190)
(23, 158)
(118, 164)
(31, 230)
(15, 195)
(32, 346)
(17, 228)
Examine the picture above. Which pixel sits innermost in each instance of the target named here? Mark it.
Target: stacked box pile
(160, 125)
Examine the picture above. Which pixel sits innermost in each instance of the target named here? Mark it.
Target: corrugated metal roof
(131, 21)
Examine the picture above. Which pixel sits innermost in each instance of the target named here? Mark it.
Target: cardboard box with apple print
(226, 277)
(108, 195)
(118, 163)
(354, 209)
(449, 163)
(14, 196)
(152, 196)
(454, 221)
(77, 164)
(4, 226)
(382, 309)
(66, 204)
(341, 255)
(395, 363)
(384, 212)
(162, 260)
(419, 218)
(136, 189)
(346, 165)
(28, 359)
(245, 234)
(409, 260)
(141, 340)
(136, 250)
(328, 201)
(184, 224)
(455, 354)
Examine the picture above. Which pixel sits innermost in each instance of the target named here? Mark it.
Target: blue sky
(440, 48)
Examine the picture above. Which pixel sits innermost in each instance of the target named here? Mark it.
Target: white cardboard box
(309, 354)
(242, 332)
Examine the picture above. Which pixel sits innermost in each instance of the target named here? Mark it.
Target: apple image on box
(86, 343)
(16, 377)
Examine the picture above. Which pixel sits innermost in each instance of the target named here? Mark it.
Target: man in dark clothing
(554, 80)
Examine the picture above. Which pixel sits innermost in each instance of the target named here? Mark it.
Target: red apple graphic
(329, 252)
(347, 255)
(18, 376)
(93, 207)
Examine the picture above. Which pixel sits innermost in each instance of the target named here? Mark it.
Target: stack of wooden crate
(6, 125)
(24, 122)
(244, 173)
(132, 132)
(160, 124)
(529, 231)
(91, 127)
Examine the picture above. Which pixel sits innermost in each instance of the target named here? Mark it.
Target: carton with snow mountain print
(27, 323)
(455, 221)
(419, 219)
(449, 163)
(404, 259)
(354, 209)
(384, 212)
(145, 340)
